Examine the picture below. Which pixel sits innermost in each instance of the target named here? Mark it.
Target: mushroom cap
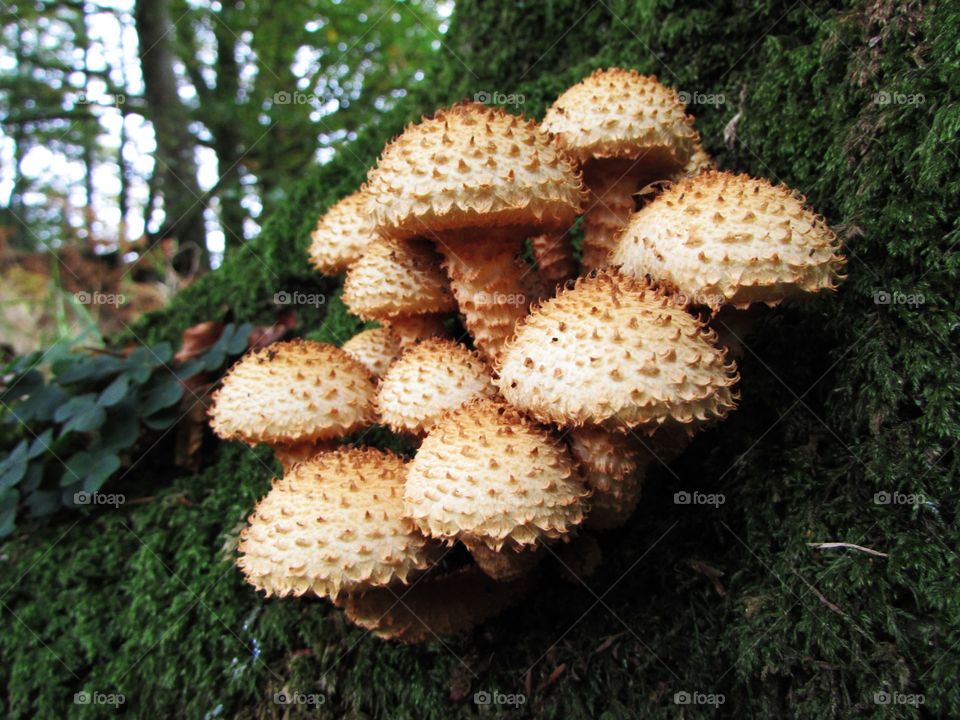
(621, 114)
(470, 167)
(430, 378)
(726, 239)
(507, 563)
(376, 349)
(435, 607)
(616, 352)
(486, 472)
(341, 235)
(397, 277)
(333, 523)
(293, 392)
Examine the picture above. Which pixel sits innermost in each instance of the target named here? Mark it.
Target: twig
(861, 548)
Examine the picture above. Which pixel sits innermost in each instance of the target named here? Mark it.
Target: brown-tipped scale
(724, 239)
(429, 379)
(341, 236)
(478, 181)
(626, 130)
(334, 523)
(487, 473)
(298, 391)
(616, 352)
(376, 349)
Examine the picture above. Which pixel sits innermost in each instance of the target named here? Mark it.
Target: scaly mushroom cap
(435, 607)
(397, 278)
(290, 454)
(430, 378)
(376, 349)
(616, 352)
(700, 161)
(725, 239)
(614, 466)
(621, 114)
(470, 167)
(341, 235)
(507, 563)
(488, 472)
(293, 392)
(333, 523)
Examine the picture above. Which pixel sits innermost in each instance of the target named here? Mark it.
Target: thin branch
(861, 548)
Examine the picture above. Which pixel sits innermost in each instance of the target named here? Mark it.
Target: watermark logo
(286, 697)
(698, 498)
(283, 97)
(681, 299)
(115, 100)
(685, 697)
(299, 298)
(82, 497)
(99, 698)
(498, 98)
(899, 498)
(885, 97)
(499, 298)
(99, 298)
(882, 697)
(883, 297)
(486, 698)
(699, 98)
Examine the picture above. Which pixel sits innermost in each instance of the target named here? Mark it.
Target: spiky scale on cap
(435, 607)
(332, 524)
(397, 278)
(471, 166)
(725, 239)
(616, 352)
(293, 392)
(414, 329)
(376, 349)
(622, 114)
(614, 466)
(341, 235)
(489, 472)
(429, 379)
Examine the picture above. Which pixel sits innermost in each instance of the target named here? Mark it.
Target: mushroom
(613, 467)
(294, 393)
(616, 352)
(429, 379)
(341, 235)
(477, 181)
(625, 129)
(435, 607)
(486, 474)
(579, 558)
(376, 349)
(401, 284)
(554, 255)
(334, 524)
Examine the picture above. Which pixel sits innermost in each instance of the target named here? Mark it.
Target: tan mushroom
(334, 524)
(477, 181)
(341, 235)
(555, 261)
(615, 352)
(400, 283)
(435, 607)
(488, 474)
(626, 130)
(436, 376)
(614, 466)
(376, 349)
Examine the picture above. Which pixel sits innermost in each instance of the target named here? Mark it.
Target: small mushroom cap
(725, 239)
(488, 472)
(506, 564)
(614, 466)
(397, 278)
(435, 607)
(471, 166)
(341, 235)
(293, 392)
(430, 378)
(376, 349)
(621, 114)
(616, 352)
(333, 523)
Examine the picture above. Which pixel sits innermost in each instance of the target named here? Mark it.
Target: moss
(842, 399)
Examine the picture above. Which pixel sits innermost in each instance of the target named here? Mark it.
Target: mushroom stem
(492, 286)
(413, 329)
(506, 564)
(554, 256)
(611, 186)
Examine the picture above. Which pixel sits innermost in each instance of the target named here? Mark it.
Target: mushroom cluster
(535, 428)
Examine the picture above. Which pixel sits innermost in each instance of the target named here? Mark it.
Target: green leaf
(122, 426)
(88, 419)
(237, 343)
(40, 444)
(43, 502)
(86, 368)
(189, 369)
(162, 396)
(105, 464)
(162, 420)
(41, 404)
(33, 478)
(14, 466)
(8, 522)
(76, 468)
(115, 391)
